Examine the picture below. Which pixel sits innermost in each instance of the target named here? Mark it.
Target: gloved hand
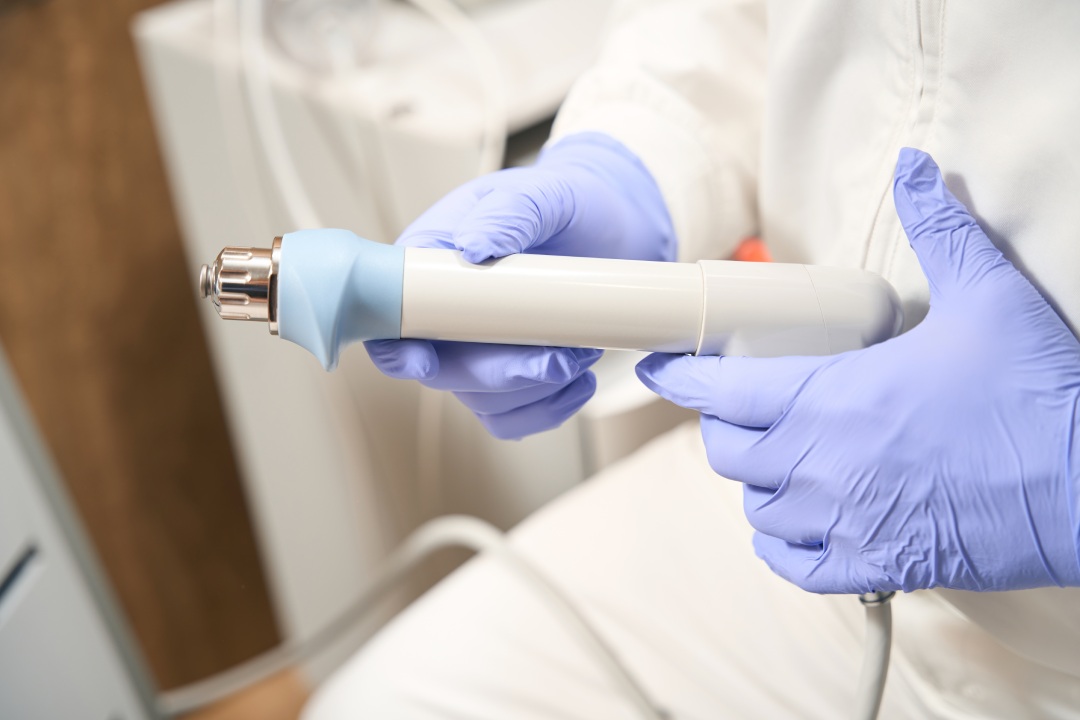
(949, 456)
(586, 196)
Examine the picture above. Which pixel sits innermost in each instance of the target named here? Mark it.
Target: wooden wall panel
(97, 314)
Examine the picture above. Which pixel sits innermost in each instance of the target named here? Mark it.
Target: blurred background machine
(362, 119)
(65, 650)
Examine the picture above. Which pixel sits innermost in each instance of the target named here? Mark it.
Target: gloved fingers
(768, 513)
(496, 402)
(753, 392)
(514, 219)
(482, 367)
(953, 250)
(800, 565)
(436, 226)
(404, 359)
(734, 453)
(819, 568)
(545, 414)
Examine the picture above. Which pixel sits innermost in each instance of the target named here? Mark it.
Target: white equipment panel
(64, 652)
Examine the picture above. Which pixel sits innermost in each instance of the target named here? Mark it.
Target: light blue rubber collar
(335, 288)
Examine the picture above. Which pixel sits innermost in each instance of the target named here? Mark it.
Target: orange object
(752, 250)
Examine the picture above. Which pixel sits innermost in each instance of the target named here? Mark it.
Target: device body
(327, 288)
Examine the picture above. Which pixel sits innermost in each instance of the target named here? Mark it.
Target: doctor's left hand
(588, 195)
(949, 456)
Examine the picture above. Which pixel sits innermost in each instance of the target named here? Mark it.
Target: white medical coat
(784, 119)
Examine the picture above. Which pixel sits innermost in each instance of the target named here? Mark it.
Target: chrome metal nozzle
(242, 283)
(206, 285)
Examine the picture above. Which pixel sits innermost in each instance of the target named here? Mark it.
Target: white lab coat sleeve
(681, 83)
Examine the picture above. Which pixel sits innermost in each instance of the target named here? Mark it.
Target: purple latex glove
(945, 457)
(586, 196)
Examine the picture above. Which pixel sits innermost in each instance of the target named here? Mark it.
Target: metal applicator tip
(204, 282)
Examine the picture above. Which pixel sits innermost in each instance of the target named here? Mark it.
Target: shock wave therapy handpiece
(324, 289)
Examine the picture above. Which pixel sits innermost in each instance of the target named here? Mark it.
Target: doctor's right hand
(586, 196)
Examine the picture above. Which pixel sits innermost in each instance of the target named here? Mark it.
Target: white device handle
(711, 307)
(324, 289)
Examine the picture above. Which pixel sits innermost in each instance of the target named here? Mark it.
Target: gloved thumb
(750, 392)
(514, 219)
(952, 249)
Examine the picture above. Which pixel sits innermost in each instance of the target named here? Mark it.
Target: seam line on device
(821, 312)
(704, 306)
